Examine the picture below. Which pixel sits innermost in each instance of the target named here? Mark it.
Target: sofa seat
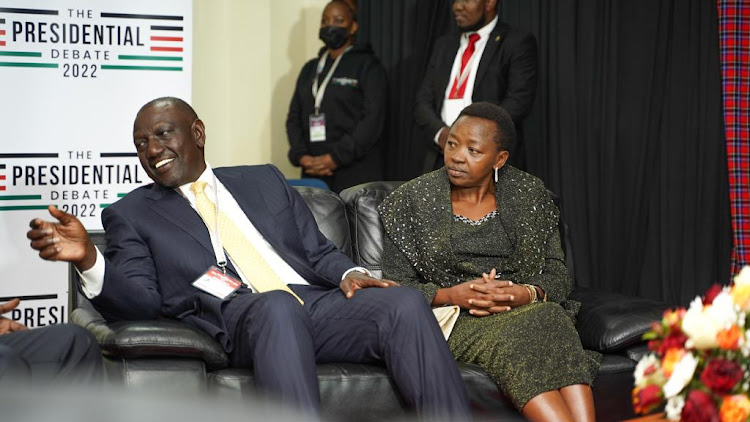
(166, 355)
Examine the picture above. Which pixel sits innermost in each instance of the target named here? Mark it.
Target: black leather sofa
(167, 355)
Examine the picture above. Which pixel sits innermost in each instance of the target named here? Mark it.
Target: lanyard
(318, 92)
(221, 257)
(465, 73)
(461, 79)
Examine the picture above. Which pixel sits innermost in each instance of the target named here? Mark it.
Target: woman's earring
(496, 177)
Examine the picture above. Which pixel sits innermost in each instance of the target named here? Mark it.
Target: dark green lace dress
(528, 350)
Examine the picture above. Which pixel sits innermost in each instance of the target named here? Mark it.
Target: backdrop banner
(73, 74)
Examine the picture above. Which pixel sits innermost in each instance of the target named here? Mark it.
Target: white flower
(648, 371)
(699, 326)
(722, 310)
(681, 375)
(743, 278)
(702, 324)
(674, 407)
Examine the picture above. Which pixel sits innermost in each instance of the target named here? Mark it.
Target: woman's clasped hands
(485, 296)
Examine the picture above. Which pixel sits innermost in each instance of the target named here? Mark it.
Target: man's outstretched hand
(65, 240)
(7, 325)
(356, 280)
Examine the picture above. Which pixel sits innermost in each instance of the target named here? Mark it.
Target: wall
(247, 54)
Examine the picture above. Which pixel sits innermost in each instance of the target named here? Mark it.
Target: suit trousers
(57, 353)
(282, 341)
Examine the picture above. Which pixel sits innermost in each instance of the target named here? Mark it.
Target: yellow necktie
(243, 253)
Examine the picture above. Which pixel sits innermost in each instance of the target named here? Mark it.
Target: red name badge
(216, 283)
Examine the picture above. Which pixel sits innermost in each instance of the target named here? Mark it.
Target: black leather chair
(167, 354)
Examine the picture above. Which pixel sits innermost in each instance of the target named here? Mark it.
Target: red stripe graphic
(2, 177)
(2, 43)
(2, 32)
(152, 38)
(166, 48)
(2, 187)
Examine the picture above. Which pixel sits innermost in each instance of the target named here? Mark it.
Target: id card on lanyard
(318, 119)
(215, 280)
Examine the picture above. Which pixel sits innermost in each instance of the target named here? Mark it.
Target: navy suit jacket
(506, 76)
(157, 245)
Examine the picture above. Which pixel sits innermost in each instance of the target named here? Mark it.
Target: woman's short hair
(505, 135)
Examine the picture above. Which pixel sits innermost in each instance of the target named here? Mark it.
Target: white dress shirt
(92, 280)
(451, 108)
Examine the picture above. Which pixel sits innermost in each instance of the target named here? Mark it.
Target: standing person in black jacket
(335, 135)
(500, 67)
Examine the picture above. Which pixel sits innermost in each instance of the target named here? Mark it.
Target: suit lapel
(177, 210)
(250, 200)
(497, 36)
(249, 197)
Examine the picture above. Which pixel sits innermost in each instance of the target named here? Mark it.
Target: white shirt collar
(207, 176)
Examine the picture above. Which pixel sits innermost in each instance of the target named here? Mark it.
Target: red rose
(675, 340)
(646, 399)
(711, 294)
(721, 375)
(699, 407)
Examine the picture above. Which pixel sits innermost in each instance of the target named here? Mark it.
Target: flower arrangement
(700, 358)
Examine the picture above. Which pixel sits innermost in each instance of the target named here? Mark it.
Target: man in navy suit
(500, 67)
(157, 245)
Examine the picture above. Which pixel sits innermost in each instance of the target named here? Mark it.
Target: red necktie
(458, 91)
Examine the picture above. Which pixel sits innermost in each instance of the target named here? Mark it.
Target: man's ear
(355, 28)
(199, 132)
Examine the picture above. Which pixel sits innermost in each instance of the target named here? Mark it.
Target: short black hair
(174, 101)
(351, 5)
(505, 133)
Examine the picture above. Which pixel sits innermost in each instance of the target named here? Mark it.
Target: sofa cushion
(611, 322)
(367, 233)
(330, 214)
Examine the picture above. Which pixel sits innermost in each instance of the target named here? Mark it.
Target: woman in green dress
(483, 235)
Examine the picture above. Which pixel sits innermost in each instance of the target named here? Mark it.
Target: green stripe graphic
(19, 197)
(112, 67)
(120, 195)
(19, 64)
(104, 205)
(20, 53)
(168, 58)
(24, 207)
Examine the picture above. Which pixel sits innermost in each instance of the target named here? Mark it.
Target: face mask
(333, 36)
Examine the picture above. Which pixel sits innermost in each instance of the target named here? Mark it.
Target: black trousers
(282, 341)
(57, 353)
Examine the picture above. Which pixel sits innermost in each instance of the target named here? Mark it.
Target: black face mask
(333, 36)
(475, 27)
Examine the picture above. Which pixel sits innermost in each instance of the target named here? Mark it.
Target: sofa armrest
(157, 338)
(610, 322)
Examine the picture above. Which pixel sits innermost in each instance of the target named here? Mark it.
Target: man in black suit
(62, 353)
(497, 66)
(161, 238)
